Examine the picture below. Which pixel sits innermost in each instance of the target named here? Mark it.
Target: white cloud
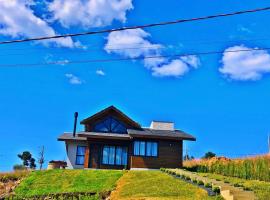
(245, 65)
(18, 20)
(89, 13)
(135, 44)
(100, 72)
(174, 68)
(131, 44)
(74, 80)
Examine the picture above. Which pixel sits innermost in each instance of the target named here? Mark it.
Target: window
(114, 155)
(143, 148)
(80, 155)
(110, 125)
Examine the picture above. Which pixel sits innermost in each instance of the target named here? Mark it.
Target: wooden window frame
(146, 141)
(77, 155)
(115, 146)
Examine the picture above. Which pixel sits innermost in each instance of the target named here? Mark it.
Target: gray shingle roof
(104, 135)
(151, 133)
(69, 136)
(142, 133)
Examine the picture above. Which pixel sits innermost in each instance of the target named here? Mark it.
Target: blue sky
(222, 99)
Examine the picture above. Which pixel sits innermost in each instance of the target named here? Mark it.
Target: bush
(247, 189)
(19, 167)
(238, 185)
(188, 178)
(208, 185)
(200, 182)
(194, 181)
(216, 190)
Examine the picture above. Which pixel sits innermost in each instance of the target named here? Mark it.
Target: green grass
(157, 185)
(260, 188)
(64, 181)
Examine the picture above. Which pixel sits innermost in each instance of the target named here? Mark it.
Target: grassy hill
(97, 184)
(81, 182)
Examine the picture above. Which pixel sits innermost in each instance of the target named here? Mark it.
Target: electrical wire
(66, 62)
(137, 27)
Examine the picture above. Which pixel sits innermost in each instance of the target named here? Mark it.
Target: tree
(209, 155)
(187, 157)
(27, 159)
(41, 158)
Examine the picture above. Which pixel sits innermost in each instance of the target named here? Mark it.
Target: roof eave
(161, 137)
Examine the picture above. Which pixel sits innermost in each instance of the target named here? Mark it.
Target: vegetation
(28, 160)
(19, 167)
(156, 185)
(255, 168)
(209, 155)
(260, 188)
(200, 183)
(13, 176)
(53, 182)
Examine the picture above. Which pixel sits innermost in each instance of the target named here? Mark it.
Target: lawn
(156, 185)
(67, 181)
(260, 188)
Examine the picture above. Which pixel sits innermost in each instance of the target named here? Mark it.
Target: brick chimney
(158, 125)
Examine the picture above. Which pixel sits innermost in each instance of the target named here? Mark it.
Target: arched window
(110, 125)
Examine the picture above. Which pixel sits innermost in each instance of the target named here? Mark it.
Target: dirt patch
(115, 194)
(7, 188)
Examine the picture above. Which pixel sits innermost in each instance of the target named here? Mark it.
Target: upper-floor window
(110, 125)
(145, 148)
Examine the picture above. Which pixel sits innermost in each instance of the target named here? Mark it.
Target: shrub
(183, 176)
(19, 167)
(200, 182)
(208, 185)
(194, 181)
(238, 185)
(216, 190)
(188, 178)
(247, 189)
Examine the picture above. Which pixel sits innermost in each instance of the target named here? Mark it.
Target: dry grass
(251, 168)
(9, 181)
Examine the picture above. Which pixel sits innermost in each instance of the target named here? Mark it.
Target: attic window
(110, 125)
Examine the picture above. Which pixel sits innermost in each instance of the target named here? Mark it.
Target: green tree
(209, 155)
(27, 159)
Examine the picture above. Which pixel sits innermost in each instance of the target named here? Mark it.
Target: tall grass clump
(251, 168)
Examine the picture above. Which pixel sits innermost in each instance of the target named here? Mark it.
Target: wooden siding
(169, 156)
(86, 157)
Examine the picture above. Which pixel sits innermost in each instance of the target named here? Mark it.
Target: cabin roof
(144, 133)
(107, 111)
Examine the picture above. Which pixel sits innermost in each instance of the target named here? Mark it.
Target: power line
(125, 59)
(138, 26)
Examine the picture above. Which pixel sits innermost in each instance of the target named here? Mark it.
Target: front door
(94, 156)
